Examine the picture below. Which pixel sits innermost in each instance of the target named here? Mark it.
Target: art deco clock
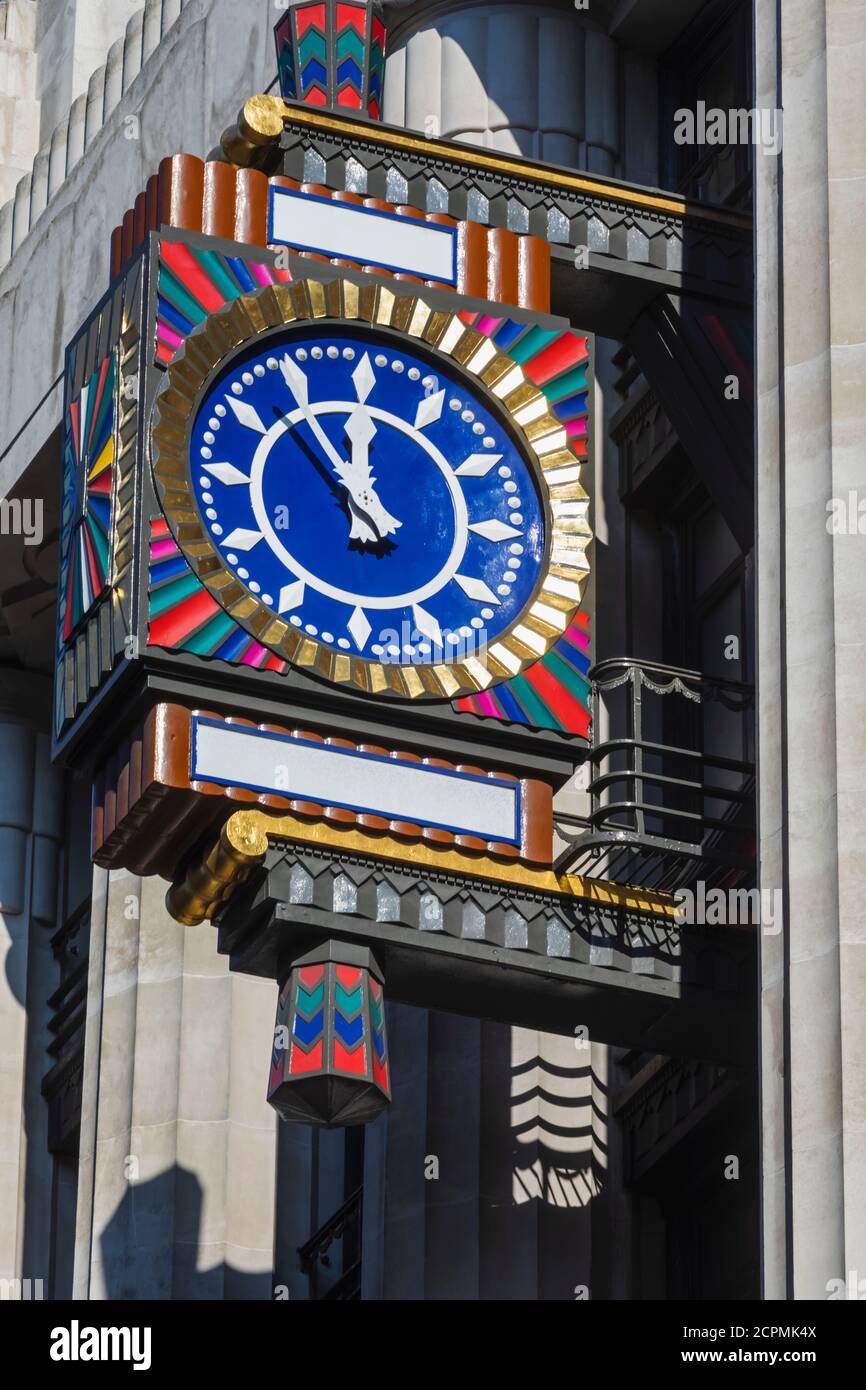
(371, 489)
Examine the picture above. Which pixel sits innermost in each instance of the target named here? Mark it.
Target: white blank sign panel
(456, 801)
(363, 234)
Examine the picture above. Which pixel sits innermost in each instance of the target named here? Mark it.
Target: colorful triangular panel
(88, 488)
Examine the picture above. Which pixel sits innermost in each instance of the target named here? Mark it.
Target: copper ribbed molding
(147, 810)
(222, 200)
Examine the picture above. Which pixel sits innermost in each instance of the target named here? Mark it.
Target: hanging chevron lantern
(330, 1058)
(331, 53)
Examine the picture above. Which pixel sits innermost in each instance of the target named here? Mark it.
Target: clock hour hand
(360, 429)
(367, 511)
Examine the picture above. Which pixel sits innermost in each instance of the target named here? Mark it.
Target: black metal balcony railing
(672, 791)
(332, 1257)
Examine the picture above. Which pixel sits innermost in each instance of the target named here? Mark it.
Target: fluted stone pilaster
(811, 339)
(31, 828)
(176, 1195)
(538, 80)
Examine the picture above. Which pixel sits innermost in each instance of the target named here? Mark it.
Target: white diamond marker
(475, 588)
(291, 596)
(429, 410)
(247, 415)
(495, 530)
(295, 379)
(359, 628)
(364, 378)
(241, 539)
(478, 464)
(427, 624)
(226, 473)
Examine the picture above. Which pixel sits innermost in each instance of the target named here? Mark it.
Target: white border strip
(366, 235)
(461, 802)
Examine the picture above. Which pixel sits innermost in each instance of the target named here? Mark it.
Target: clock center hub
(413, 477)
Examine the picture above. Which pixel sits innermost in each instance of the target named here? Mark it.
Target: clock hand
(296, 380)
(361, 428)
(367, 511)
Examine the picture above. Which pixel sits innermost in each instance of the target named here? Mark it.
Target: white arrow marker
(291, 596)
(494, 530)
(475, 589)
(359, 628)
(364, 378)
(241, 539)
(426, 623)
(295, 379)
(429, 410)
(247, 415)
(226, 473)
(477, 465)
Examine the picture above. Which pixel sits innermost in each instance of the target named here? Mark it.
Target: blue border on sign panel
(198, 720)
(370, 212)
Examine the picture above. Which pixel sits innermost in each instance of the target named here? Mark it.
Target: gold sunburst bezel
(541, 437)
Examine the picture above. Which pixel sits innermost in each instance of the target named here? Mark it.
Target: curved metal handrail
(693, 816)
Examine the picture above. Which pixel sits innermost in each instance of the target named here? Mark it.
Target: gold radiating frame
(543, 440)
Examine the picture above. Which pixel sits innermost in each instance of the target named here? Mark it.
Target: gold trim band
(543, 443)
(211, 882)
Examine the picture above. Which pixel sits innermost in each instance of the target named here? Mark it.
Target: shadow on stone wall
(553, 1147)
(156, 1247)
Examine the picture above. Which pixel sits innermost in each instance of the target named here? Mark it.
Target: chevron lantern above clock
(331, 54)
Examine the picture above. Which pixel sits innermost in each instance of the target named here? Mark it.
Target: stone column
(19, 104)
(402, 1234)
(72, 41)
(177, 1159)
(811, 61)
(526, 79)
(294, 1217)
(31, 827)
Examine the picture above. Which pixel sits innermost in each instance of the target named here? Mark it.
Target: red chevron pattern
(330, 1050)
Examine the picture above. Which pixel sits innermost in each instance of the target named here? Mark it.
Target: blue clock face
(368, 496)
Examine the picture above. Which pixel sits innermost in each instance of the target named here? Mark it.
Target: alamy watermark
(22, 516)
(77, 1343)
(761, 127)
(413, 646)
(723, 907)
(21, 1290)
(846, 516)
(851, 1288)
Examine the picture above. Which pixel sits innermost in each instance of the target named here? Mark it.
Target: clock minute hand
(296, 381)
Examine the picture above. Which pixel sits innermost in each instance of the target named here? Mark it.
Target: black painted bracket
(536, 960)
